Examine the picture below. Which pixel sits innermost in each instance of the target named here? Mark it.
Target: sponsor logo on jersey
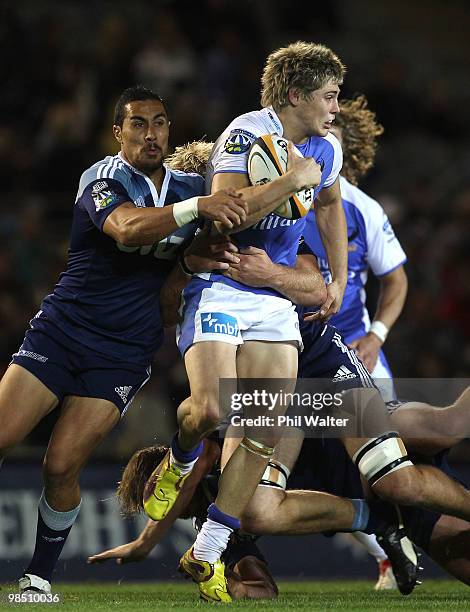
(388, 229)
(31, 355)
(219, 323)
(343, 374)
(102, 195)
(123, 392)
(272, 221)
(238, 142)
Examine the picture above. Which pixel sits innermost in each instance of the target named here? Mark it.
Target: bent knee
(401, 487)
(205, 412)
(60, 469)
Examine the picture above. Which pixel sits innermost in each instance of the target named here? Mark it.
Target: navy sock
(49, 545)
(381, 516)
(185, 456)
(224, 519)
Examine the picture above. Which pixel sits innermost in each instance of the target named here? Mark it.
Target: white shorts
(220, 313)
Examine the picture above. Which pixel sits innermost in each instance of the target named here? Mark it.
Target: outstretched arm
(153, 532)
(303, 284)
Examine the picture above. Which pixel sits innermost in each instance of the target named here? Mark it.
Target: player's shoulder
(110, 167)
(369, 208)
(185, 177)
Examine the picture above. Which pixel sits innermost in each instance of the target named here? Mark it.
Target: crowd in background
(64, 64)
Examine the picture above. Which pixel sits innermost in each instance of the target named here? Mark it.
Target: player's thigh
(24, 401)
(206, 363)
(263, 359)
(82, 425)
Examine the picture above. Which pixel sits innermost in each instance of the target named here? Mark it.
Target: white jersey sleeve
(337, 160)
(230, 152)
(384, 251)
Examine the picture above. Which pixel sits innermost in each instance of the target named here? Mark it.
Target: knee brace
(257, 448)
(381, 456)
(275, 475)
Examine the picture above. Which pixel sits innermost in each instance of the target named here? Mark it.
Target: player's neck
(156, 176)
(292, 128)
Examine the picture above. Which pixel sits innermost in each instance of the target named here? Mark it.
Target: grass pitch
(335, 595)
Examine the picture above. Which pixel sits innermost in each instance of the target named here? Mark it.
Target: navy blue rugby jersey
(107, 298)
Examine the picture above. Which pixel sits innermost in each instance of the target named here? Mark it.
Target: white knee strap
(381, 456)
(275, 475)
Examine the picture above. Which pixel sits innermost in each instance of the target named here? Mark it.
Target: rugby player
(257, 334)
(323, 465)
(372, 245)
(90, 347)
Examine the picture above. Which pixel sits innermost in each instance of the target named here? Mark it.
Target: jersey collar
(158, 198)
(274, 121)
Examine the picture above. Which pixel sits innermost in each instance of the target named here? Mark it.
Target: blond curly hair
(191, 157)
(359, 132)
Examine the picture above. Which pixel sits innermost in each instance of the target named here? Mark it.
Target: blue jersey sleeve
(101, 197)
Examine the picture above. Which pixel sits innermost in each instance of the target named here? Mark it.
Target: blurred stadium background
(63, 66)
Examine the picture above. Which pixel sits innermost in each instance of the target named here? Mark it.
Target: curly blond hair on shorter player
(191, 157)
(302, 66)
(359, 133)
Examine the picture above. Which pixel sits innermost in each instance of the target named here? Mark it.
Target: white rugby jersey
(371, 244)
(277, 236)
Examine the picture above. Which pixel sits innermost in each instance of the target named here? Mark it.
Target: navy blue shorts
(67, 368)
(326, 356)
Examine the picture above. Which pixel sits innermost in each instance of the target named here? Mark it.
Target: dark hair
(130, 490)
(132, 94)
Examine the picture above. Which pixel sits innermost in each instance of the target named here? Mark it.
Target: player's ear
(117, 133)
(294, 96)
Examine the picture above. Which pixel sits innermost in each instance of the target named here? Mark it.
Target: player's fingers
(233, 216)
(312, 316)
(251, 250)
(220, 265)
(354, 344)
(326, 306)
(224, 220)
(239, 210)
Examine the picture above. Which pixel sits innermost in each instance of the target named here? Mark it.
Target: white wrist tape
(379, 329)
(185, 211)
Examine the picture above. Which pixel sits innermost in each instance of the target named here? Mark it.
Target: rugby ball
(267, 160)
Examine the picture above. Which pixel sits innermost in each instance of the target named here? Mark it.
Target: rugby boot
(30, 583)
(210, 577)
(162, 489)
(402, 555)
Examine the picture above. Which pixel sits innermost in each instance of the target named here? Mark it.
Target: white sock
(211, 541)
(369, 541)
(184, 468)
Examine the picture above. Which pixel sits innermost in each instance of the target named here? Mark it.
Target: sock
(370, 544)
(53, 529)
(213, 538)
(381, 516)
(361, 516)
(184, 460)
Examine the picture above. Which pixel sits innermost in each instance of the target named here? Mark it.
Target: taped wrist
(185, 211)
